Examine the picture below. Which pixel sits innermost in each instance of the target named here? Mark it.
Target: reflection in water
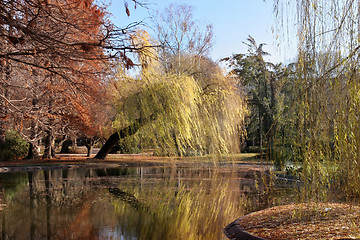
(130, 203)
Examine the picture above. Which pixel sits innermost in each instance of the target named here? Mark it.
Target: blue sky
(233, 21)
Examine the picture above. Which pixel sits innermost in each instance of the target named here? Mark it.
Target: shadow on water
(191, 202)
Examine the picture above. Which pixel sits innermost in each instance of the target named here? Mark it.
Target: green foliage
(280, 155)
(187, 117)
(126, 146)
(189, 106)
(14, 147)
(325, 112)
(347, 138)
(267, 87)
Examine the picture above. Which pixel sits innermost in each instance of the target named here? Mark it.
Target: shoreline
(68, 161)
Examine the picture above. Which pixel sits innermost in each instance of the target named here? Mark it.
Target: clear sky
(233, 21)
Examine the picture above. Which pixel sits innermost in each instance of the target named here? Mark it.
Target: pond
(174, 201)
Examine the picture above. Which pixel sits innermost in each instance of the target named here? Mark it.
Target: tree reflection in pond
(129, 203)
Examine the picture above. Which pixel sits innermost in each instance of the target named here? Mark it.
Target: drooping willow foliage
(326, 111)
(186, 113)
(184, 118)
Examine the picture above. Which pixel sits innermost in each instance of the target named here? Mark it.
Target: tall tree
(262, 86)
(183, 114)
(185, 118)
(54, 58)
(182, 39)
(174, 114)
(328, 93)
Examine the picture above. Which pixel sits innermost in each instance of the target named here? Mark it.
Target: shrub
(14, 147)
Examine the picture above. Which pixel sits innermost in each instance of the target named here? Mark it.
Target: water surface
(189, 201)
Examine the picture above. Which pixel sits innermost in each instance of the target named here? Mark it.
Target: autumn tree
(54, 60)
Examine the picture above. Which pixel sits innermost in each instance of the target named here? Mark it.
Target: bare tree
(181, 36)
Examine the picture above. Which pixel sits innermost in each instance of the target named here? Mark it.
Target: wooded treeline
(56, 58)
(65, 74)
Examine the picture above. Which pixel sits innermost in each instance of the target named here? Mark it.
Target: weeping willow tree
(185, 118)
(184, 115)
(326, 110)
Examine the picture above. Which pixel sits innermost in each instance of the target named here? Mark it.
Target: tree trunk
(89, 143)
(74, 144)
(260, 131)
(48, 153)
(3, 117)
(53, 148)
(33, 147)
(2, 134)
(89, 148)
(104, 151)
(65, 146)
(177, 147)
(33, 152)
(234, 231)
(123, 133)
(3, 103)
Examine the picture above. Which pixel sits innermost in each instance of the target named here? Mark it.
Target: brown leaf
(127, 9)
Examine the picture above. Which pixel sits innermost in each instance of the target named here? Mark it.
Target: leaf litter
(305, 221)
